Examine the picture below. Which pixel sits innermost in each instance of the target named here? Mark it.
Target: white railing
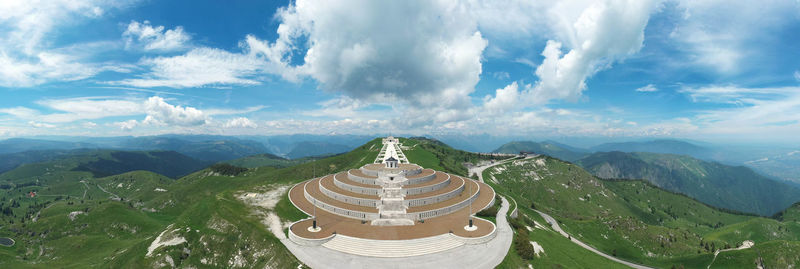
(354, 188)
(338, 210)
(446, 210)
(362, 180)
(422, 179)
(437, 198)
(347, 199)
(434, 187)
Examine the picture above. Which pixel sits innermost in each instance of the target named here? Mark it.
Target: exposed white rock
(537, 248)
(162, 240)
(74, 214)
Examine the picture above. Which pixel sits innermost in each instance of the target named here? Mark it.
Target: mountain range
(84, 217)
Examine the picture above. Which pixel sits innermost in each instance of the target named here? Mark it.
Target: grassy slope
(201, 207)
(558, 250)
(430, 153)
(639, 222)
(737, 188)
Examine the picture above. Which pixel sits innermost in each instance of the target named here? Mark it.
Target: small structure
(392, 163)
(31, 194)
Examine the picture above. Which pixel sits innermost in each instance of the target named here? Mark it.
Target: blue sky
(708, 70)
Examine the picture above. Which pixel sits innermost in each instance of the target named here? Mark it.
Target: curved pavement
(486, 255)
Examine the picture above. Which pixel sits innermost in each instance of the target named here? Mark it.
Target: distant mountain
(309, 148)
(667, 146)
(549, 148)
(784, 166)
(267, 159)
(14, 145)
(282, 145)
(10, 161)
(733, 187)
(168, 163)
(207, 148)
(101, 163)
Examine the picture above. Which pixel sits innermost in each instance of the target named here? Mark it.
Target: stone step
(392, 248)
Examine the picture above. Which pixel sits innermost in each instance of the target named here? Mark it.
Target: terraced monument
(391, 208)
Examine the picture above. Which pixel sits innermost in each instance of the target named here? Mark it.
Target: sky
(711, 70)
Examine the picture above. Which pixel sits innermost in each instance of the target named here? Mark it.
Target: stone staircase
(393, 248)
(391, 209)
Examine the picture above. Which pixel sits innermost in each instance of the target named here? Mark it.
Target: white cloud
(155, 38)
(126, 125)
(199, 67)
(647, 88)
(89, 108)
(28, 28)
(597, 35)
(159, 112)
(405, 50)
(505, 99)
(41, 125)
(767, 112)
(797, 75)
(721, 34)
(501, 75)
(240, 122)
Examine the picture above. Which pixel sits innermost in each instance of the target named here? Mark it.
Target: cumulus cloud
(240, 122)
(424, 53)
(127, 125)
(647, 88)
(159, 112)
(597, 35)
(154, 38)
(504, 99)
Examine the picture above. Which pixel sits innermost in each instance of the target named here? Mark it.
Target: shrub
(523, 246)
(227, 169)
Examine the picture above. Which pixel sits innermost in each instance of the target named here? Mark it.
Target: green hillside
(546, 148)
(791, 213)
(120, 216)
(432, 153)
(78, 220)
(634, 220)
(734, 187)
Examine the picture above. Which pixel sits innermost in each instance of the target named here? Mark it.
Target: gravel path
(487, 255)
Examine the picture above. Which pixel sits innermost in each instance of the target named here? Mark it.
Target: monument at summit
(391, 208)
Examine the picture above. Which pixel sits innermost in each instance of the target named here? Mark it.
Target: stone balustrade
(436, 198)
(354, 188)
(434, 187)
(347, 199)
(338, 210)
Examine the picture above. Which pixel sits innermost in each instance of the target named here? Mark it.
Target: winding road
(554, 224)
